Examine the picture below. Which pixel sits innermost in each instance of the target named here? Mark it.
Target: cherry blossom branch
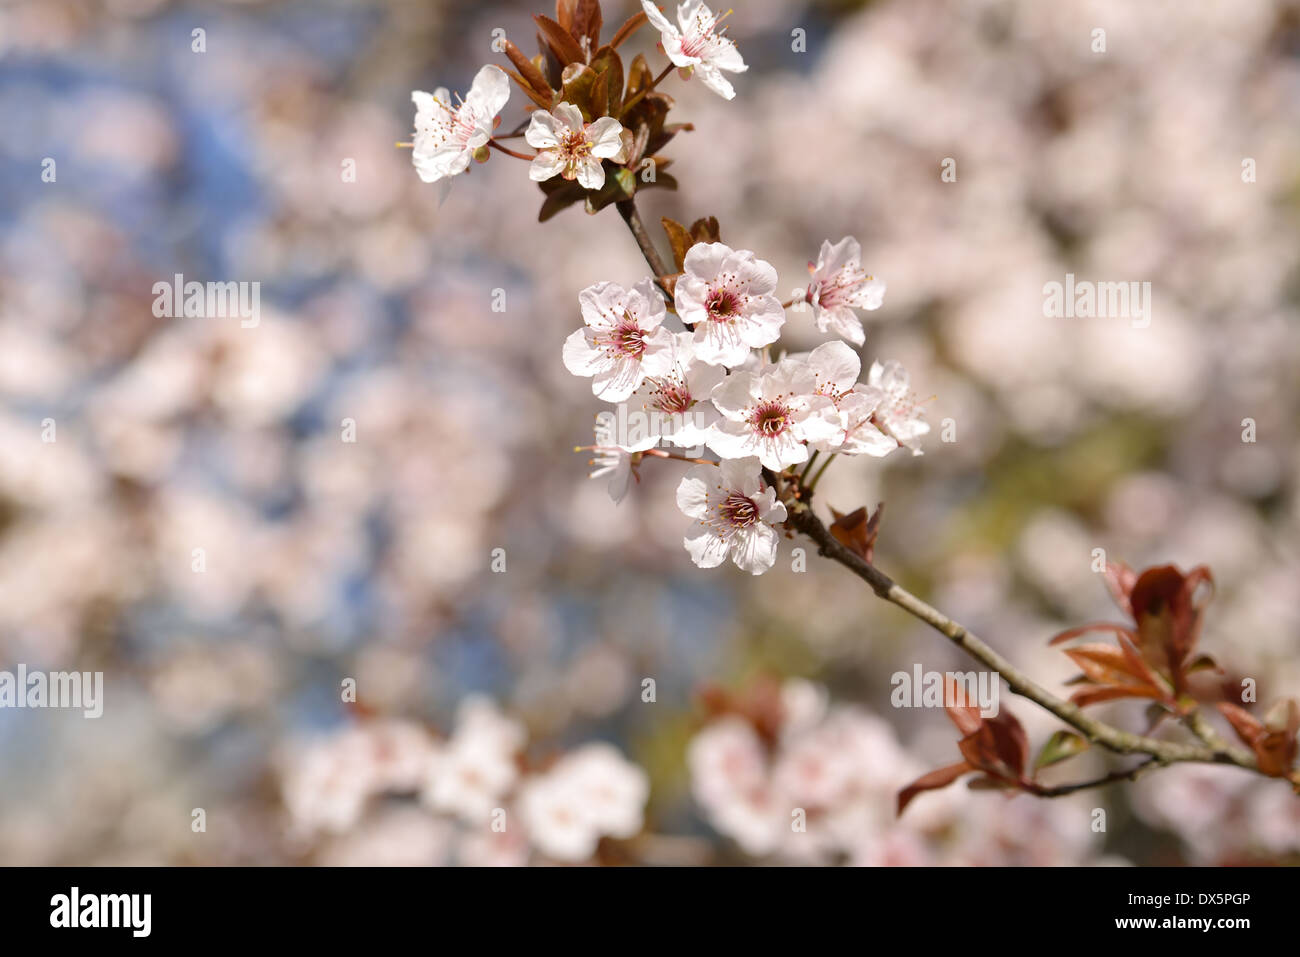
(1213, 749)
(803, 519)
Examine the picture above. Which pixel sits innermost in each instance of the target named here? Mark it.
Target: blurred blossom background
(523, 691)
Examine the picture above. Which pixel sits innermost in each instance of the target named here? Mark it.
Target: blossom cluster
(788, 776)
(493, 807)
(714, 384)
(570, 141)
(710, 380)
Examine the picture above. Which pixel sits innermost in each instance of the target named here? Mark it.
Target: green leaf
(1059, 747)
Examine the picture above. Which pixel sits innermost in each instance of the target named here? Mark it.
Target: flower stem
(661, 454)
(644, 90)
(820, 472)
(509, 152)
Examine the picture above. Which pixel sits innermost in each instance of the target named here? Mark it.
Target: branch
(627, 209)
(805, 520)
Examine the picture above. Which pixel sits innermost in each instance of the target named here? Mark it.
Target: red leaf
(1109, 666)
(1093, 694)
(1120, 580)
(1010, 741)
(561, 42)
(1085, 629)
(1247, 726)
(966, 717)
(627, 29)
(932, 781)
(857, 531)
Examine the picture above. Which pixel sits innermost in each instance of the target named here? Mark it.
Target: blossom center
(700, 39)
(840, 288)
(723, 305)
(629, 338)
(738, 511)
(575, 145)
(672, 396)
(769, 419)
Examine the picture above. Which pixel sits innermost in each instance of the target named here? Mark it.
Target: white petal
(650, 309)
(706, 548)
(727, 57)
(603, 304)
(605, 136)
(489, 93)
(541, 133)
(581, 357)
(762, 325)
(835, 257)
(743, 475)
(734, 394)
(657, 19)
(705, 260)
(545, 164)
(870, 294)
(657, 358)
(836, 366)
(618, 380)
(693, 490)
(712, 77)
(754, 550)
(687, 12)
(732, 440)
(843, 322)
(568, 115)
(590, 173)
(719, 343)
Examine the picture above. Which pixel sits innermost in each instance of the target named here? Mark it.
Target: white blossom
(611, 459)
(729, 298)
(590, 793)
(772, 415)
(569, 147)
(623, 340)
(698, 44)
(899, 413)
(677, 405)
(446, 137)
(838, 286)
(735, 515)
(469, 775)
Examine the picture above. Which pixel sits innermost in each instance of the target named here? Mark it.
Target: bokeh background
(371, 560)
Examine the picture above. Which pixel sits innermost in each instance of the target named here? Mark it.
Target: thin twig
(644, 90)
(1129, 774)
